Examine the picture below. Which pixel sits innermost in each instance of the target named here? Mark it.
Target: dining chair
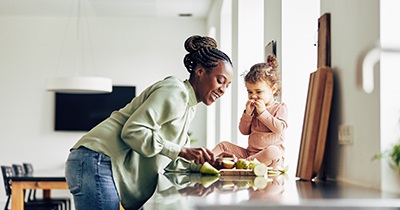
(28, 168)
(29, 171)
(8, 172)
(18, 169)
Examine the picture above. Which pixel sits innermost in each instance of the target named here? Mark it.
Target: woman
(119, 159)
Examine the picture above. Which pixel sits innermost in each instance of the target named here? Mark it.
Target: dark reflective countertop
(196, 191)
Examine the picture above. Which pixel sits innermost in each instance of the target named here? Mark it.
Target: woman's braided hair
(202, 51)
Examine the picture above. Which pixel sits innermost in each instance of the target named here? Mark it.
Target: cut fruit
(207, 181)
(243, 184)
(242, 164)
(278, 170)
(207, 168)
(260, 183)
(228, 163)
(253, 163)
(283, 169)
(274, 173)
(260, 169)
(226, 158)
(228, 185)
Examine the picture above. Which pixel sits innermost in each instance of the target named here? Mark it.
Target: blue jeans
(89, 178)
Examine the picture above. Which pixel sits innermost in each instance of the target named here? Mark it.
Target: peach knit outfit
(266, 136)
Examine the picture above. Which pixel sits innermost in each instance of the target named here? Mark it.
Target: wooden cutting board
(316, 117)
(236, 172)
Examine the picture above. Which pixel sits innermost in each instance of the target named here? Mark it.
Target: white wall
(354, 28)
(130, 51)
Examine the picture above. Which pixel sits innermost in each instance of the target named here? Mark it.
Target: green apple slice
(207, 168)
(260, 169)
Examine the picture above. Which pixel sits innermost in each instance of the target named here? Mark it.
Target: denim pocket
(73, 170)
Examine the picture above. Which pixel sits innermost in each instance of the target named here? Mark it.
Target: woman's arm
(142, 130)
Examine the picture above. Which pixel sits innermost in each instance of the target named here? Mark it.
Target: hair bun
(272, 61)
(196, 42)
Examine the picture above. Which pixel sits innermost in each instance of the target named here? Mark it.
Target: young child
(264, 119)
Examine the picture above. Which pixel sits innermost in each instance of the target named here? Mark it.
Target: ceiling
(107, 8)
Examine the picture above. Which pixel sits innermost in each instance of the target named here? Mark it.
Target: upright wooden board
(324, 59)
(323, 124)
(304, 133)
(316, 121)
(324, 40)
(316, 117)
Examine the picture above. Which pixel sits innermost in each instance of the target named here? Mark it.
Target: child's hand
(250, 106)
(260, 106)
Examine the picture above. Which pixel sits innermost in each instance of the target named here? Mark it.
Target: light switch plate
(346, 134)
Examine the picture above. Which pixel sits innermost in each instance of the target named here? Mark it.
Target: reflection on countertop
(195, 191)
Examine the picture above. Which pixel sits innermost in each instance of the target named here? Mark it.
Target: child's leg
(229, 147)
(272, 156)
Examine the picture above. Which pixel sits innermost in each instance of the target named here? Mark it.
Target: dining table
(43, 182)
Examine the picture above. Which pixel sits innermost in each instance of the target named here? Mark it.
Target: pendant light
(76, 83)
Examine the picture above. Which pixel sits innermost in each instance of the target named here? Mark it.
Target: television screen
(81, 112)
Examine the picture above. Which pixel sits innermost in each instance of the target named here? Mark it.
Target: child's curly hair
(267, 72)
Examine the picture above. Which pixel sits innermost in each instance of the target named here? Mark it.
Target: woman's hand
(219, 161)
(198, 155)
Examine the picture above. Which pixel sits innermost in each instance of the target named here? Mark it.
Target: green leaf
(393, 155)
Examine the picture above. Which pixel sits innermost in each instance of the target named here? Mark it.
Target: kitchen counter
(200, 192)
